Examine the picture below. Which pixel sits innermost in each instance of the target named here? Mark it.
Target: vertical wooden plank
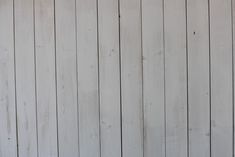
(109, 78)
(221, 78)
(66, 78)
(176, 78)
(8, 139)
(198, 78)
(153, 78)
(25, 78)
(45, 77)
(131, 78)
(88, 95)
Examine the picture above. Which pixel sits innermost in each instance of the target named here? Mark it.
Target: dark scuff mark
(8, 115)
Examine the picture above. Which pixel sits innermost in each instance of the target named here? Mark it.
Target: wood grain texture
(153, 78)
(221, 78)
(66, 65)
(25, 78)
(88, 78)
(8, 140)
(176, 78)
(45, 78)
(109, 72)
(131, 78)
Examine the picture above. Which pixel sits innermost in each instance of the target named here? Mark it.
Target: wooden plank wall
(117, 78)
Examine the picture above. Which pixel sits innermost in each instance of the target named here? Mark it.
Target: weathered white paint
(221, 78)
(66, 78)
(88, 78)
(25, 78)
(153, 78)
(198, 78)
(116, 78)
(131, 78)
(109, 72)
(175, 78)
(8, 132)
(45, 78)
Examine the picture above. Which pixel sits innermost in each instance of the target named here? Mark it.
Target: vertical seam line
(98, 68)
(35, 76)
(56, 81)
(232, 77)
(210, 73)
(77, 77)
(142, 78)
(120, 73)
(164, 69)
(187, 75)
(16, 106)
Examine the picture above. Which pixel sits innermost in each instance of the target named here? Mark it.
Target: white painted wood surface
(117, 78)
(109, 72)
(221, 78)
(25, 78)
(66, 68)
(88, 78)
(153, 78)
(198, 78)
(131, 78)
(175, 78)
(45, 78)
(8, 140)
